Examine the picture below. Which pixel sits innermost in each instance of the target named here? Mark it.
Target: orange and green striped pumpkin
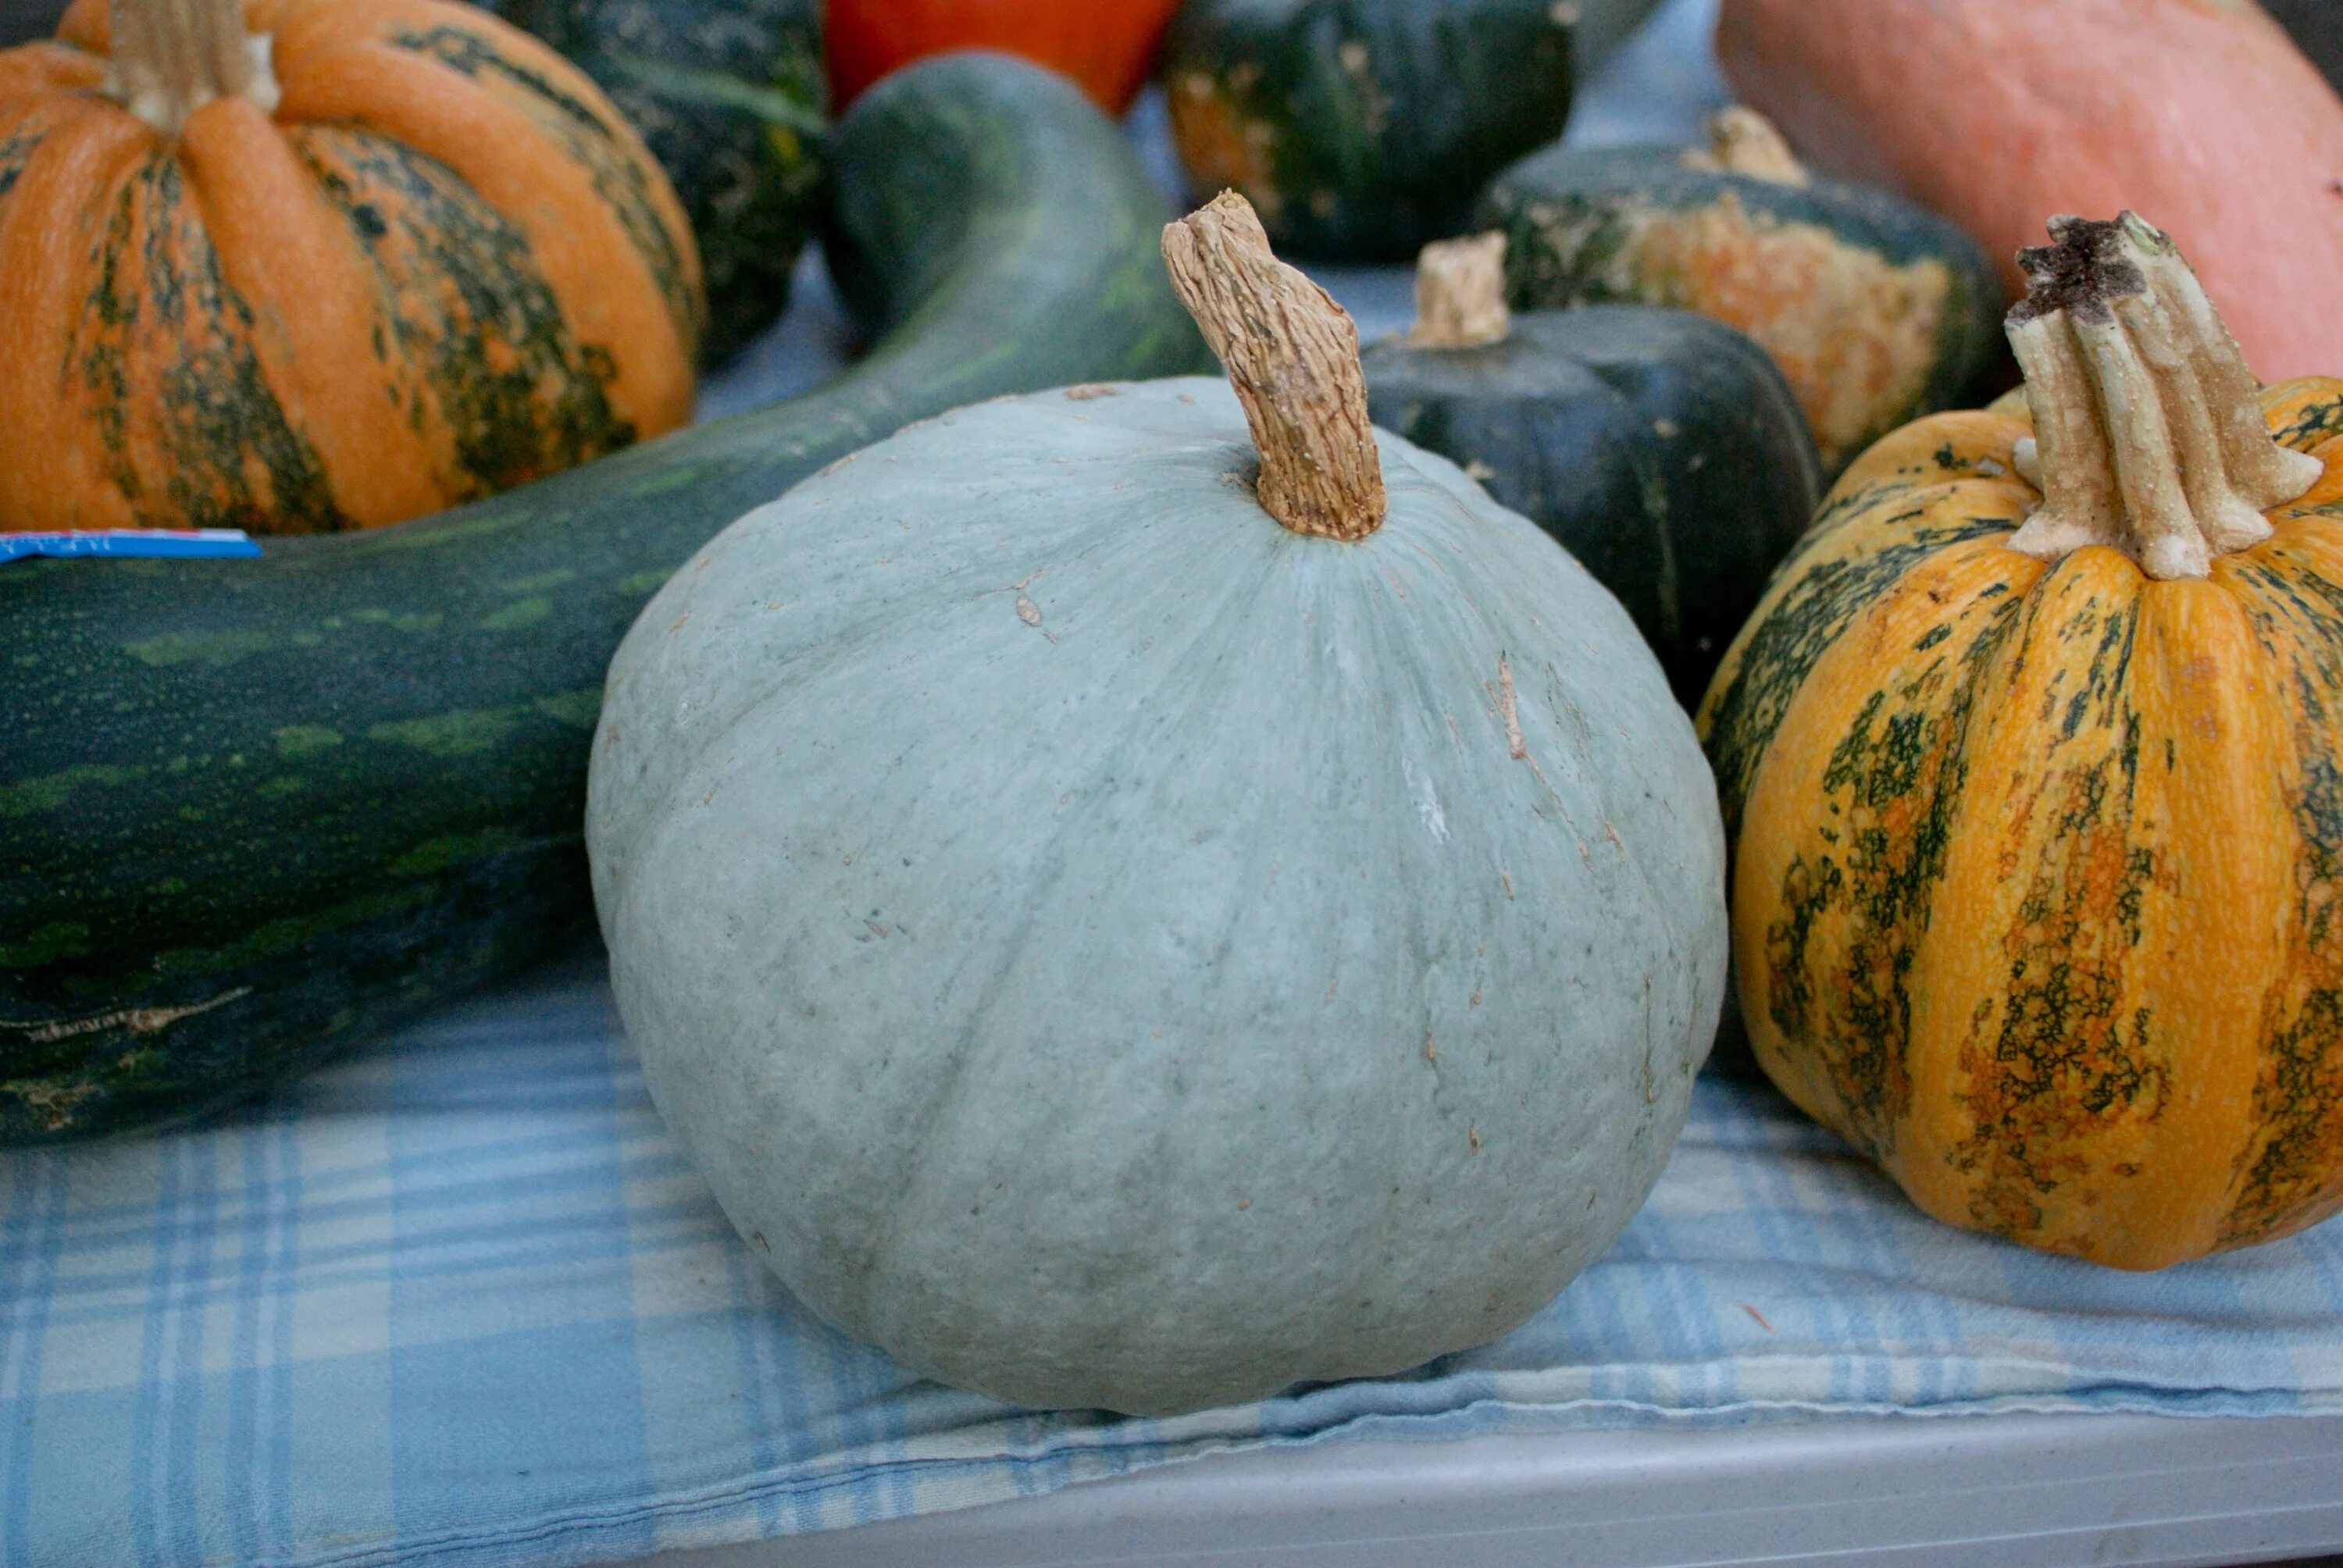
(2033, 761)
(374, 258)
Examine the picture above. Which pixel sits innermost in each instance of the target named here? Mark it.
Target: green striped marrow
(251, 811)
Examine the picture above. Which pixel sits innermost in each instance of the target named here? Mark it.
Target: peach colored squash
(2001, 114)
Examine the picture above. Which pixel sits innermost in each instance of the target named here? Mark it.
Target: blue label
(168, 543)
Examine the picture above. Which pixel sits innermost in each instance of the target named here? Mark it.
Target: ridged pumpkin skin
(1876, 311)
(728, 97)
(1660, 448)
(1360, 129)
(2001, 114)
(441, 267)
(252, 809)
(2036, 866)
(1109, 949)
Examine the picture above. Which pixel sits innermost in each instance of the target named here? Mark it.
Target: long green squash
(250, 810)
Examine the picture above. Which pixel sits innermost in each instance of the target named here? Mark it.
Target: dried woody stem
(2147, 433)
(1741, 141)
(171, 57)
(1460, 292)
(1292, 355)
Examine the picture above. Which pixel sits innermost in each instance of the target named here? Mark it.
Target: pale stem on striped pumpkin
(2148, 434)
(171, 57)
(1460, 292)
(1292, 355)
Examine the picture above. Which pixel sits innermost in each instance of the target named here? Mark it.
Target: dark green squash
(1876, 310)
(729, 94)
(1359, 129)
(250, 810)
(1661, 448)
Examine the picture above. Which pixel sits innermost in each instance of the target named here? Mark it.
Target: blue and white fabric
(457, 1301)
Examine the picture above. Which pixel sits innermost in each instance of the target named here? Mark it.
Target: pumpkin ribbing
(345, 780)
(340, 263)
(1101, 944)
(2033, 857)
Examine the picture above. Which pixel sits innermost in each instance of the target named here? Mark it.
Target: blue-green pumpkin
(1109, 949)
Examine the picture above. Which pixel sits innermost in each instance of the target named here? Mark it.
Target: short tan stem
(1460, 292)
(1741, 141)
(1293, 356)
(2149, 437)
(171, 57)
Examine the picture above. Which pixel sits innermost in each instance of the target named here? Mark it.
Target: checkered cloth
(458, 1301)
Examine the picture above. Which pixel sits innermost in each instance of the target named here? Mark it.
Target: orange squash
(1107, 46)
(2030, 760)
(366, 260)
(2000, 113)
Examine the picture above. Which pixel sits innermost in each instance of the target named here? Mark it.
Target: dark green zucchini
(1359, 129)
(1661, 448)
(729, 94)
(1876, 310)
(252, 809)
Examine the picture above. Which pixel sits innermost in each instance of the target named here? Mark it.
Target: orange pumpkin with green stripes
(316, 264)
(2033, 760)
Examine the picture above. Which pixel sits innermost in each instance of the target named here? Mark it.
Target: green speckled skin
(1109, 949)
(1660, 448)
(700, 79)
(1359, 129)
(1580, 229)
(250, 810)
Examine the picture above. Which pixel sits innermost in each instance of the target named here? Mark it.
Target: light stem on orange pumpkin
(1460, 292)
(1292, 355)
(1741, 141)
(2149, 437)
(171, 57)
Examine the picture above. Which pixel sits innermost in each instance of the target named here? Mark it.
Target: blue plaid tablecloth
(458, 1301)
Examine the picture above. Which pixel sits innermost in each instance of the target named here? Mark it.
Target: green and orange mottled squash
(314, 265)
(1876, 310)
(1361, 129)
(729, 96)
(2030, 761)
